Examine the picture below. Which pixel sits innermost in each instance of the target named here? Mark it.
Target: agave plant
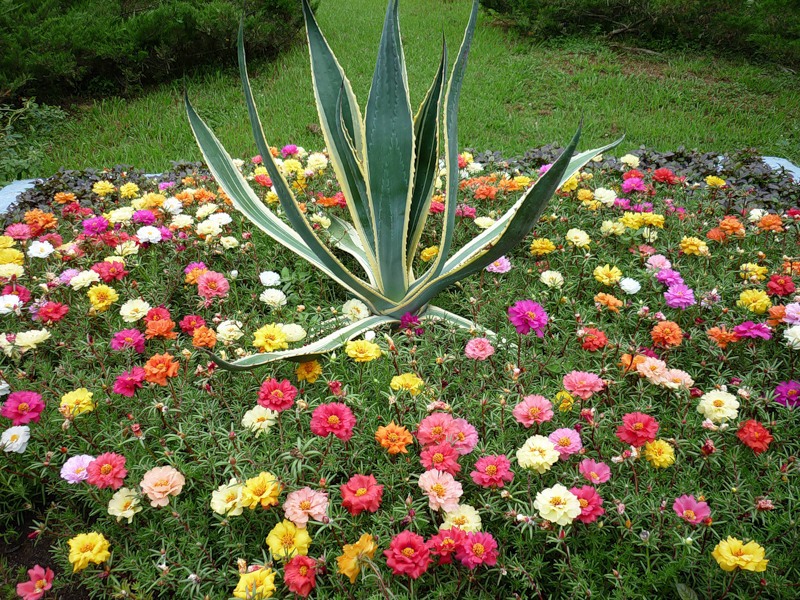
(386, 163)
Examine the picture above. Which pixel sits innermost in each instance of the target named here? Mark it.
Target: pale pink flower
(442, 489)
(463, 436)
(161, 482)
(533, 409)
(582, 384)
(675, 379)
(653, 369)
(479, 349)
(305, 504)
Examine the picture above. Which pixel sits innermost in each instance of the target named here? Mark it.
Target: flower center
(305, 505)
(23, 407)
(303, 570)
(478, 549)
(287, 541)
(534, 411)
(437, 430)
(106, 469)
(638, 426)
(129, 340)
(361, 491)
(408, 552)
(87, 547)
(14, 437)
(437, 458)
(583, 502)
(531, 315)
(333, 420)
(392, 437)
(279, 394)
(491, 470)
(689, 515)
(161, 483)
(594, 476)
(564, 442)
(41, 584)
(438, 489)
(460, 520)
(719, 403)
(557, 501)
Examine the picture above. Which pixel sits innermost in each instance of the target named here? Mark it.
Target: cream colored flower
(134, 310)
(537, 454)
(465, 517)
(227, 499)
(557, 505)
(718, 406)
(124, 504)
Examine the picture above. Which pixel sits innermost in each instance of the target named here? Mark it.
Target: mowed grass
(516, 95)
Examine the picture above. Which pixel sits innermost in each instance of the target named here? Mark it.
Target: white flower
(229, 331)
(39, 249)
(578, 238)
(133, 310)
(293, 332)
(234, 274)
(29, 340)
(206, 210)
(269, 279)
(630, 160)
(238, 163)
(756, 214)
(792, 336)
(557, 505)
(273, 298)
(148, 233)
(9, 303)
(15, 439)
(228, 242)
(4, 388)
(552, 279)
(484, 222)
(718, 406)
(120, 216)
(474, 167)
(355, 310)
(208, 228)
(317, 161)
(84, 279)
(181, 221)
(605, 196)
(629, 285)
(172, 205)
(220, 218)
(259, 419)
(369, 335)
(227, 499)
(598, 158)
(6, 346)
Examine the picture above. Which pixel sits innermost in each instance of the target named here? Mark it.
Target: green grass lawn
(516, 95)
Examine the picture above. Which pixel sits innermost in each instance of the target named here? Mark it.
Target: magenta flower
(128, 338)
(492, 471)
(442, 457)
(679, 296)
(23, 407)
(130, 381)
(144, 217)
(634, 184)
(669, 277)
(289, 150)
(567, 441)
(527, 316)
(690, 510)
(590, 501)
(95, 225)
(582, 384)
(787, 393)
(479, 349)
(195, 265)
(594, 472)
(751, 330)
(478, 548)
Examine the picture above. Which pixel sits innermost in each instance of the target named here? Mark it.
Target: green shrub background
(764, 29)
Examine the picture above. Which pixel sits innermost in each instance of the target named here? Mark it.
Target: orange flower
(188, 181)
(394, 438)
(628, 362)
(308, 371)
(771, 222)
(716, 234)
(204, 338)
(610, 302)
(791, 268)
(203, 195)
(486, 192)
(159, 367)
(64, 197)
(732, 226)
(776, 315)
(509, 185)
(327, 201)
(39, 221)
(225, 198)
(186, 198)
(160, 328)
(667, 334)
(721, 336)
(193, 275)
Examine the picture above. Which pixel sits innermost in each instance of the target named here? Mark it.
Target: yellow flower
(407, 381)
(542, 246)
(152, 200)
(753, 272)
(659, 454)
(87, 548)
(429, 253)
(713, 181)
(632, 220)
(271, 198)
(76, 402)
(607, 275)
(287, 540)
(612, 228)
(585, 195)
(263, 490)
(255, 585)
(755, 301)
(570, 184)
(653, 220)
(362, 351)
(270, 338)
(522, 181)
(349, 562)
(260, 171)
(693, 245)
(6, 242)
(11, 256)
(732, 553)
(128, 190)
(565, 401)
(308, 371)
(103, 188)
(102, 297)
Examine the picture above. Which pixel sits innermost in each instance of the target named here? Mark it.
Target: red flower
(110, 271)
(631, 174)
(591, 504)
(51, 312)
(637, 429)
(780, 285)
(664, 175)
(442, 457)
(277, 395)
(754, 435)
(107, 470)
(407, 555)
(300, 575)
(333, 418)
(20, 291)
(191, 322)
(478, 548)
(159, 313)
(593, 339)
(361, 493)
(492, 471)
(445, 544)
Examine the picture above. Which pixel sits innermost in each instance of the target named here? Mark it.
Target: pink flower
(583, 385)
(527, 316)
(658, 262)
(492, 471)
(463, 436)
(434, 429)
(751, 330)
(442, 457)
(107, 470)
(595, 472)
(130, 381)
(110, 271)
(478, 548)
(128, 338)
(41, 580)
(479, 349)
(407, 555)
(445, 544)
(501, 265)
(637, 429)
(533, 409)
(159, 483)
(567, 442)
(300, 575)
(277, 395)
(23, 407)
(690, 510)
(19, 231)
(591, 504)
(634, 184)
(443, 491)
(305, 504)
(333, 418)
(211, 285)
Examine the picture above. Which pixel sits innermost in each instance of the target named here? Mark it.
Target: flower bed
(630, 432)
